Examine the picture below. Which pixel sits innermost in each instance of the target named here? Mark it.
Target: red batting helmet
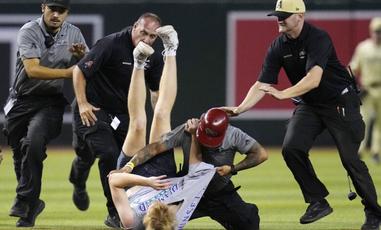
(211, 130)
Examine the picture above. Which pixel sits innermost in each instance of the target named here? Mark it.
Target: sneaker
(35, 210)
(141, 52)
(315, 211)
(19, 209)
(170, 40)
(81, 198)
(372, 222)
(112, 221)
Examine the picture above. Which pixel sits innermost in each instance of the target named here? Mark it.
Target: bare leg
(161, 122)
(136, 135)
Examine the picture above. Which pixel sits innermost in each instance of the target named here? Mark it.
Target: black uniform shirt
(298, 56)
(108, 69)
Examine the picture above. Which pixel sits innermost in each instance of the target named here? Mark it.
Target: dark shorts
(162, 164)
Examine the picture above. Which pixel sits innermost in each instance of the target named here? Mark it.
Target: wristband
(232, 170)
(131, 165)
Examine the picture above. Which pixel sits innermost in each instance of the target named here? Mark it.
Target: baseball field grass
(271, 186)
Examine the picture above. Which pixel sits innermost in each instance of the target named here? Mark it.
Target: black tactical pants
(227, 208)
(29, 126)
(99, 140)
(344, 122)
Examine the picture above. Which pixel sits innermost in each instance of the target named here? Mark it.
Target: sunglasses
(283, 17)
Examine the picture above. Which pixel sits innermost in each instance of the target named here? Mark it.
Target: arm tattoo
(252, 159)
(148, 152)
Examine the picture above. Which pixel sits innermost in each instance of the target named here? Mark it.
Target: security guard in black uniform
(327, 100)
(101, 82)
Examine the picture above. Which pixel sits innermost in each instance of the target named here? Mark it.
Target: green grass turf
(271, 186)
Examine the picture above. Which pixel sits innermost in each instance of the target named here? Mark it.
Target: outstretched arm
(309, 82)
(123, 180)
(37, 71)
(254, 95)
(256, 155)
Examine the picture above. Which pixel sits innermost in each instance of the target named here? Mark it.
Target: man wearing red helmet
(218, 143)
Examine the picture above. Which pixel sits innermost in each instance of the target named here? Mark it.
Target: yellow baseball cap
(285, 8)
(375, 24)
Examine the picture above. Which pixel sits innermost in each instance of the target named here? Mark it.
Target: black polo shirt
(108, 69)
(297, 56)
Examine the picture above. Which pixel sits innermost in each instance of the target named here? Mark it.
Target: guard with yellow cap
(326, 98)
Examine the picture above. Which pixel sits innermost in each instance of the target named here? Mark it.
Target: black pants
(345, 124)
(99, 140)
(227, 208)
(30, 125)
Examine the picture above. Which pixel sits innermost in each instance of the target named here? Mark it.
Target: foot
(35, 209)
(81, 198)
(170, 40)
(112, 221)
(315, 211)
(141, 52)
(372, 222)
(19, 209)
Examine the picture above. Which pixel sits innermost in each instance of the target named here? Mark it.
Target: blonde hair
(159, 217)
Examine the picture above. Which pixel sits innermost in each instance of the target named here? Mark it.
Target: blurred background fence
(222, 46)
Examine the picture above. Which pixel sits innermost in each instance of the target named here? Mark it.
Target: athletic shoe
(315, 211)
(141, 52)
(170, 40)
(81, 198)
(19, 209)
(35, 209)
(372, 222)
(112, 221)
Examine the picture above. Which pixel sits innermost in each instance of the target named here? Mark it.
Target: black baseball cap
(60, 3)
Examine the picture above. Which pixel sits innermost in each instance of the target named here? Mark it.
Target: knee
(289, 153)
(137, 125)
(34, 147)
(162, 114)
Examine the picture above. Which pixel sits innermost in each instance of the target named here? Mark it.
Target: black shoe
(35, 210)
(112, 221)
(19, 209)
(372, 222)
(315, 211)
(81, 198)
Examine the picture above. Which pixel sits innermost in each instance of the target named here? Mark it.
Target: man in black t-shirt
(101, 84)
(326, 98)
